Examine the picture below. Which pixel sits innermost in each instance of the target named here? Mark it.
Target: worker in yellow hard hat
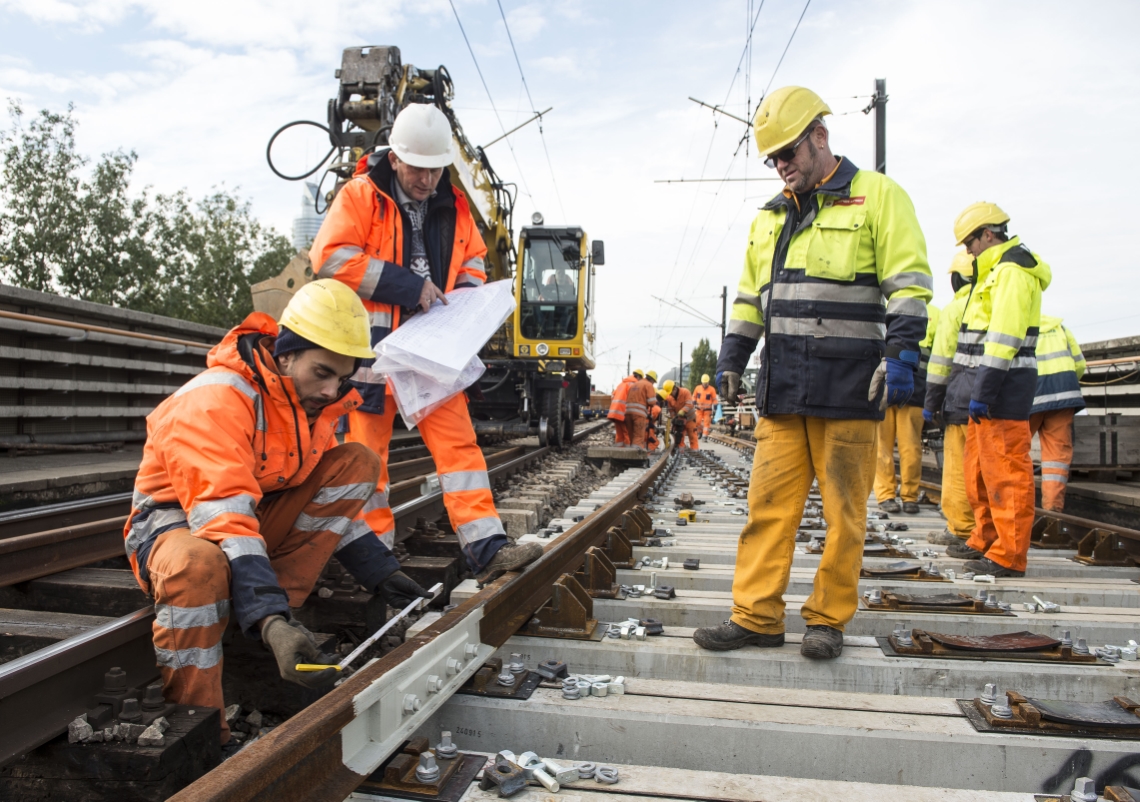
(836, 281)
(955, 504)
(993, 380)
(243, 495)
(705, 398)
(683, 417)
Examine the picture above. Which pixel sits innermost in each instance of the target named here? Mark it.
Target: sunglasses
(788, 153)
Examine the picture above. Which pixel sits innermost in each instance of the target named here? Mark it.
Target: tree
(704, 361)
(92, 238)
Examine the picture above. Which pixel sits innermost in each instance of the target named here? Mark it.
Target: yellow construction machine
(536, 380)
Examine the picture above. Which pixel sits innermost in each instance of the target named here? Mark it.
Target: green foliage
(90, 237)
(704, 361)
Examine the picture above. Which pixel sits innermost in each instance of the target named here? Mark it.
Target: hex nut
(599, 689)
(1084, 790)
(445, 749)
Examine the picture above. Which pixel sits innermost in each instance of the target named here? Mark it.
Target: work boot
(960, 551)
(984, 565)
(730, 635)
(910, 507)
(510, 557)
(944, 538)
(890, 505)
(822, 643)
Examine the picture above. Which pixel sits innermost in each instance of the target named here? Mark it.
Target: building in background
(306, 226)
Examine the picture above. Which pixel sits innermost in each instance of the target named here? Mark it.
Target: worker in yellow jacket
(955, 503)
(1060, 366)
(995, 378)
(836, 281)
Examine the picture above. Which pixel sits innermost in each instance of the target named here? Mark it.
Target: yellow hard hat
(962, 264)
(651, 375)
(975, 216)
(666, 388)
(327, 312)
(639, 373)
(784, 115)
(704, 378)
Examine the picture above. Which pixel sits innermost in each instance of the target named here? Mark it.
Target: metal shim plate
(1012, 642)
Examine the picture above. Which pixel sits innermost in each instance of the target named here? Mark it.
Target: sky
(1019, 103)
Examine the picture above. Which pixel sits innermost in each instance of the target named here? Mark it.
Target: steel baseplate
(396, 779)
(397, 703)
(1049, 533)
(486, 682)
(958, 603)
(569, 614)
(1102, 547)
(1116, 719)
(901, 570)
(1016, 647)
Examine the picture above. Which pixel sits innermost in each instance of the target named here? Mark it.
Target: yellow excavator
(537, 376)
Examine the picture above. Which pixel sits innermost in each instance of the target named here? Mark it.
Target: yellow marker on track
(312, 667)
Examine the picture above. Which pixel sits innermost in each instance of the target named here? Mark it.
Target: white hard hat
(421, 137)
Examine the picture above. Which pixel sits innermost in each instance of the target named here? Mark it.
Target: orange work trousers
(190, 577)
(689, 434)
(903, 424)
(955, 502)
(999, 484)
(704, 420)
(635, 428)
(462, 470)
(621, 433)
(651, 441)
(1054, 429)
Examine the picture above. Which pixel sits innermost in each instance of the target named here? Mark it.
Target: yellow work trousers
(791, 451)
(905, 425)
(955, 504)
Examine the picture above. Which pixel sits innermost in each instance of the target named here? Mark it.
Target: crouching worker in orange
(651, 441)
(243, 495)
(680, 402)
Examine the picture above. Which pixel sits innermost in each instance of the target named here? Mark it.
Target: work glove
(898, 375)
(399, 590)
(928, 416)
(292, 645)
(978, 410)
(728, 382)
(934, 417)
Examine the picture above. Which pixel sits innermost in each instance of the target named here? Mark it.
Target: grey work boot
(944, 538)
(960, 551)
(822, 643)
(984, 565)
(510, 557)
(910, 507)
(890, 505)
(730, 635)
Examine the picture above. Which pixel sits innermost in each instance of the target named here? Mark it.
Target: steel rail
(326, 751)
(137, 335)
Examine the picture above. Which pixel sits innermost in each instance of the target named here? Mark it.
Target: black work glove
(292, 645)
(730, 387)
(399, 590)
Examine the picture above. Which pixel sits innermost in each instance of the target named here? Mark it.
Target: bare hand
(429, 294)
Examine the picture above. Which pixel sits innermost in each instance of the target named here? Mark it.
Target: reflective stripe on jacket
(618, 398)
(942, 359)
(216, 447)
(918, 397)
(1060, 365)
(361, 242)
(995, 362)
(834, 287)
(637, 400)
(705, 397)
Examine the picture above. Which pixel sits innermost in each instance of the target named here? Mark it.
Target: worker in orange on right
(1060, 365)
(995, 377)
(704, 395)
(680, 402)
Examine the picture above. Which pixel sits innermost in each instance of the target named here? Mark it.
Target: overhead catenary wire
(487, 89)
(534, 109)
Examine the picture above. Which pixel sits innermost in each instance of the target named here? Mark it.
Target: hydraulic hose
(281, 130)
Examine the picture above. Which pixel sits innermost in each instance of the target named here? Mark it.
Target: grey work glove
(878, 380)
(730, 387)
(292, 645)
(399, 590)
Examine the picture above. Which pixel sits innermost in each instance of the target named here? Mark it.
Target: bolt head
(470, 651)
(1084, 790)
(412, 703)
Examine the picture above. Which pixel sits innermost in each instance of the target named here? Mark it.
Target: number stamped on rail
(469, 732)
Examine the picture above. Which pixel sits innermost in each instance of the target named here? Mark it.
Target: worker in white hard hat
(401, 235)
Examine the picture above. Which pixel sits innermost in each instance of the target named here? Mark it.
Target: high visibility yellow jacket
(1060, 365)
(834, 286)
(942, 350)
(919, 395)
(995, 362)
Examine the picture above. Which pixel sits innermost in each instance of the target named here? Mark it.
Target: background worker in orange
(1060, 365)
(618, 401)
(704, 396)
(680, 402)
(995, 378)
(637, 410)
(653, 424)
(400, 235)
(903, 424)
(238, 508)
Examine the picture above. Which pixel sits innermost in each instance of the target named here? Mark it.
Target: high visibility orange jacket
(705, 397)
(638, 398)
(681, 405)
(619, 396)
(361, 242)
(217, 446)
